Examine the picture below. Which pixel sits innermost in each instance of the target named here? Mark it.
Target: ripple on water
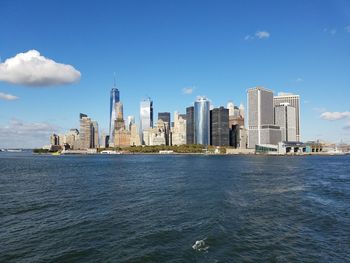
(148, 208)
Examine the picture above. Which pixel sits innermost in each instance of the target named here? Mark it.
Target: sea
(174, 208)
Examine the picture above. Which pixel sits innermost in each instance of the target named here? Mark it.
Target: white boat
(109, 152)
(14, 150)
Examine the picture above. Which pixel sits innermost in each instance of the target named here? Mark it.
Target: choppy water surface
(148, 208)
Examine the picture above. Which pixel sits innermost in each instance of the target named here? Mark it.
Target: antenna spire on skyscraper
(114, 82)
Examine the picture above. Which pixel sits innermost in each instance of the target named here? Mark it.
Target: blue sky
(159, 48)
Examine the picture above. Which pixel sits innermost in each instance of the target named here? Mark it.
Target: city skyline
(215, 52)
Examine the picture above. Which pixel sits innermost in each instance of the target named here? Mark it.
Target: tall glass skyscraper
(146, 115)
(202, 121)
(112, 112)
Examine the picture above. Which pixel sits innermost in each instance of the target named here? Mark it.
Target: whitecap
(200, 245)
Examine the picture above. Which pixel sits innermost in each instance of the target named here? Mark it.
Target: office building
(285, 118)
(238, 132)
(95, 135)
(238, 136)
(202, 121)
(134, 135)
(114, 98)
(190, 125)
(72, 138)
(130, 121)
(85, 135)
(165, 117)
(294, 101)
(146, 115)
(104, 141)
(219, 128)
(234, 111)
(158, 134)
(231, 108)
(122, 138)
(261, 128)
(178, 133)
(119, 122)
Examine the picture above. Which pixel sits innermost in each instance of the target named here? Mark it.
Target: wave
(200, 245)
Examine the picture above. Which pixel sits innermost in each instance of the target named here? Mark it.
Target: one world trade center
(112, 113)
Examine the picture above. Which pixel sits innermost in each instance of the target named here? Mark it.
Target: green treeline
(40, 150)
(186, 148)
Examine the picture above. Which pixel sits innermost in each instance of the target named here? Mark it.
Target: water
(151, 208)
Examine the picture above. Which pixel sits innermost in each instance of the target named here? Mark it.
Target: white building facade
(261, 128)
(294, 101)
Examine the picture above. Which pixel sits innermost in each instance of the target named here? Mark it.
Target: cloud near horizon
(34, 70)
(19, 134)
(334, 116)
(5, 96)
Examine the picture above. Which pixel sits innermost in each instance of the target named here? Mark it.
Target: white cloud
(5, 96)
(334, 116)
(258, 35)
(188, 90)
(19, 134)
(299, 80)
(347, 29)
(262, 34)
(32, 69)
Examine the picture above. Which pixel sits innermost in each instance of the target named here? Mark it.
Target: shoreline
(204, 154)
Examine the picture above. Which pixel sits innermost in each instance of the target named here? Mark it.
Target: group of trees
(186, 148)
(39, 150)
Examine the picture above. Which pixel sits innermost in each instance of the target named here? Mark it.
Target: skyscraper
(134, 135)
(130, 121)
(165, 117)
(114, 98)
(119, 122)
(219, 129)
(104, 140)
(146, 115)
(231, 108)
(72, 138)
(294, 101)
(237, 128)
(285, 118)
(121, 134)
(178, 134)
(95, 135)
(261, 128)
(85, 135)
(190, 125)
(202, 121)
